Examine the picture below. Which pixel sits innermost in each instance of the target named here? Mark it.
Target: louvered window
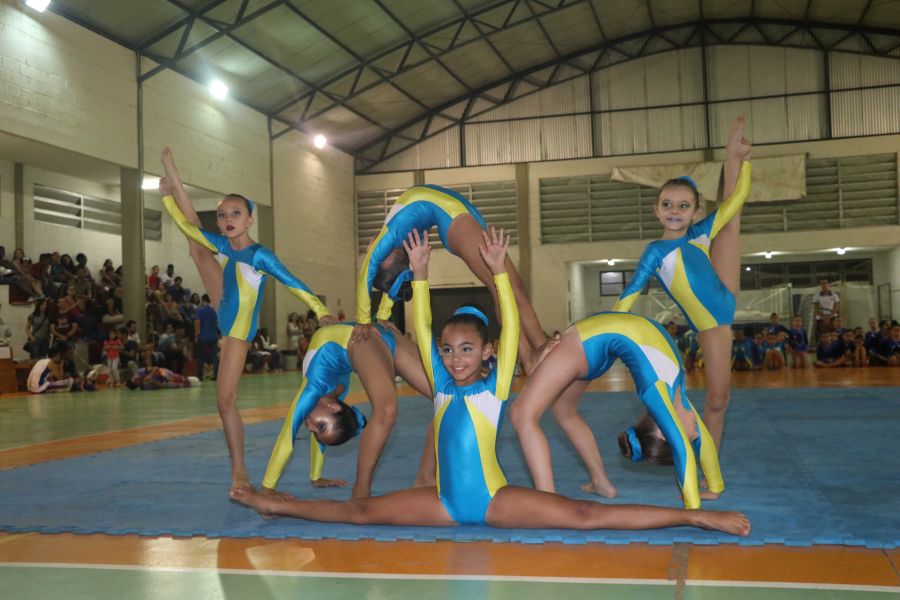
(152, 225)
(495, 200)
(594, 208)
(69, 209)
(855, 191)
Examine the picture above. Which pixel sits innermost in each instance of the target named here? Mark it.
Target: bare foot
(601, 488)
(707, 495)
(734, 523)
(272, 494)
(239, 479)
(247, 496)
(327, 483)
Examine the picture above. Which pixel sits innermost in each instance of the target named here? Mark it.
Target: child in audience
(740, 352)
(111, 347)
(829, 353)
(773, 352)
(798, 343)
(757, 352)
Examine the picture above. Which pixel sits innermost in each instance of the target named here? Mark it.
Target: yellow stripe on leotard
(633, 327)
(284, 446)
(709, 457)
(509, 335)
(691, 490)
(422, 326)
(681, 289)
(246, 305)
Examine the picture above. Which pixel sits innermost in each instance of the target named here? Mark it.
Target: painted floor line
(512, 578)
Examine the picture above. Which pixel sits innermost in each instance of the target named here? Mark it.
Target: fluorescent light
(319, 141)
(768, 254)
(38, 5)
(150, 183)
(218, 89)
(747, 268)
(841, 251)
(611, 262)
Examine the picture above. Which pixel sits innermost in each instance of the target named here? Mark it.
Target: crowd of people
(774, 346)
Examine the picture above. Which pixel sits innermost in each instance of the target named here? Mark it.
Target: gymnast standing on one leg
(587, 350)
(233, 269)
(471, 487)
(460, 226)
(319, 404)
(698, 264)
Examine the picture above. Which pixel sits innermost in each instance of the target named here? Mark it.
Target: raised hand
(419, 251)
(165, 187)
(493, 249)
(738, 146)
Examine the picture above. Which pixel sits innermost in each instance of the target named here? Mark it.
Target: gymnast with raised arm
(468, 408)
(233, 269)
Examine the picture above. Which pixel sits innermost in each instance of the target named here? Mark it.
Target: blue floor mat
(808, 466)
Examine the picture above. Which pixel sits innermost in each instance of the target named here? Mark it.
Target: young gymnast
(459, 225)
(233, 269)
(319, 404)
(586, 351)
(699, 267)
(468, 408)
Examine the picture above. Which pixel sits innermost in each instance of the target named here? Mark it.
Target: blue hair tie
(395, 292)
(471, 310)
(637, 455)
(688, 180)
(251, 205)
(361, 421)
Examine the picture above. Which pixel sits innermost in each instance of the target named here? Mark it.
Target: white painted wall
(66, 86)
(886, 267)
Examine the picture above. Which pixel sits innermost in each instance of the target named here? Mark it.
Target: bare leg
(725, 252)
(417, 506)
(716, 344)
(231, 365)
(565, 409)
(408, 364)
(373, 363)
(427, 474)
(526, 508)
(564, 365)
(465, 237)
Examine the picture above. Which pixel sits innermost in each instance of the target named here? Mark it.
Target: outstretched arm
(644, 270)
(211, 241)
(419, 251)
(270, 264)
(493, 250)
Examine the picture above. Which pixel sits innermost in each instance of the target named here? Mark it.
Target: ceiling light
(38, 5)
(319, 141)
(611, 262)
(218, 89)
(767, 254)
(150, 183)
(841, 251)
(747, 268)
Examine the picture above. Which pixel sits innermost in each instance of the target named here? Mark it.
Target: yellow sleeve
(733, 204)
(709, 458)
(312, 301)
(422, 325)
(316, 459)
(385, 308)
(188, 229)
(509, 335)
(284, 446)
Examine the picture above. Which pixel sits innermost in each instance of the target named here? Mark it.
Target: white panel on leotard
(308, 359)
(666, 370)
(250, 275)
(440, 399)
(487, 404)
(701, 240)
(396, 208)
(667, 267)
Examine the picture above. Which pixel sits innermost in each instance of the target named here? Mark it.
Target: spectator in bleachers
(797, 343)
(68, 266)
(837, 325)
(206, 338)
(171, 312)
(168, 279)
(64, 329)
(22, 266)
(173, 347)
(276, 362)
(310, 325)
(84, 286)
(9, 275)
(257, 358)
(773, 349)
(888, 353)
(37, 329)
(153, 279)
(177, 292)
(829, 353)
(876, 358)
(81, 263)
(827, 305)
(108, 263)
(109, 279)
(741, 355)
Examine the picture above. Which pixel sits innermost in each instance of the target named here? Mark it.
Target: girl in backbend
(698, 264)
(460, 226)
(319, 404)
(672, 433)
(468, 408)
(233, 268)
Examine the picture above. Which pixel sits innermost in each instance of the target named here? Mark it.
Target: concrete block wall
(63, 85)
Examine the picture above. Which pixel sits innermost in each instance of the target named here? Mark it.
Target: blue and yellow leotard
(652, 358)
(325, 366)
(244, 277)
(419, 208)
(467, 419)
(683, 268)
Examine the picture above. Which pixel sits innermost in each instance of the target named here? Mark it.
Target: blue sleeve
(645, 269)
(265, 260)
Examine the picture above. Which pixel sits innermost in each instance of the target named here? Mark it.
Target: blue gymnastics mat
(808, 466)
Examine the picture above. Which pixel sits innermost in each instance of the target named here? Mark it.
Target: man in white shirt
(828, 306)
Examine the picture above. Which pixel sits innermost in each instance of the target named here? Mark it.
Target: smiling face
(233, 218)
(675, 209)
(463, 352)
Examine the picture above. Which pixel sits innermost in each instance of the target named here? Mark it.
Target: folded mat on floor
(808, 466)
